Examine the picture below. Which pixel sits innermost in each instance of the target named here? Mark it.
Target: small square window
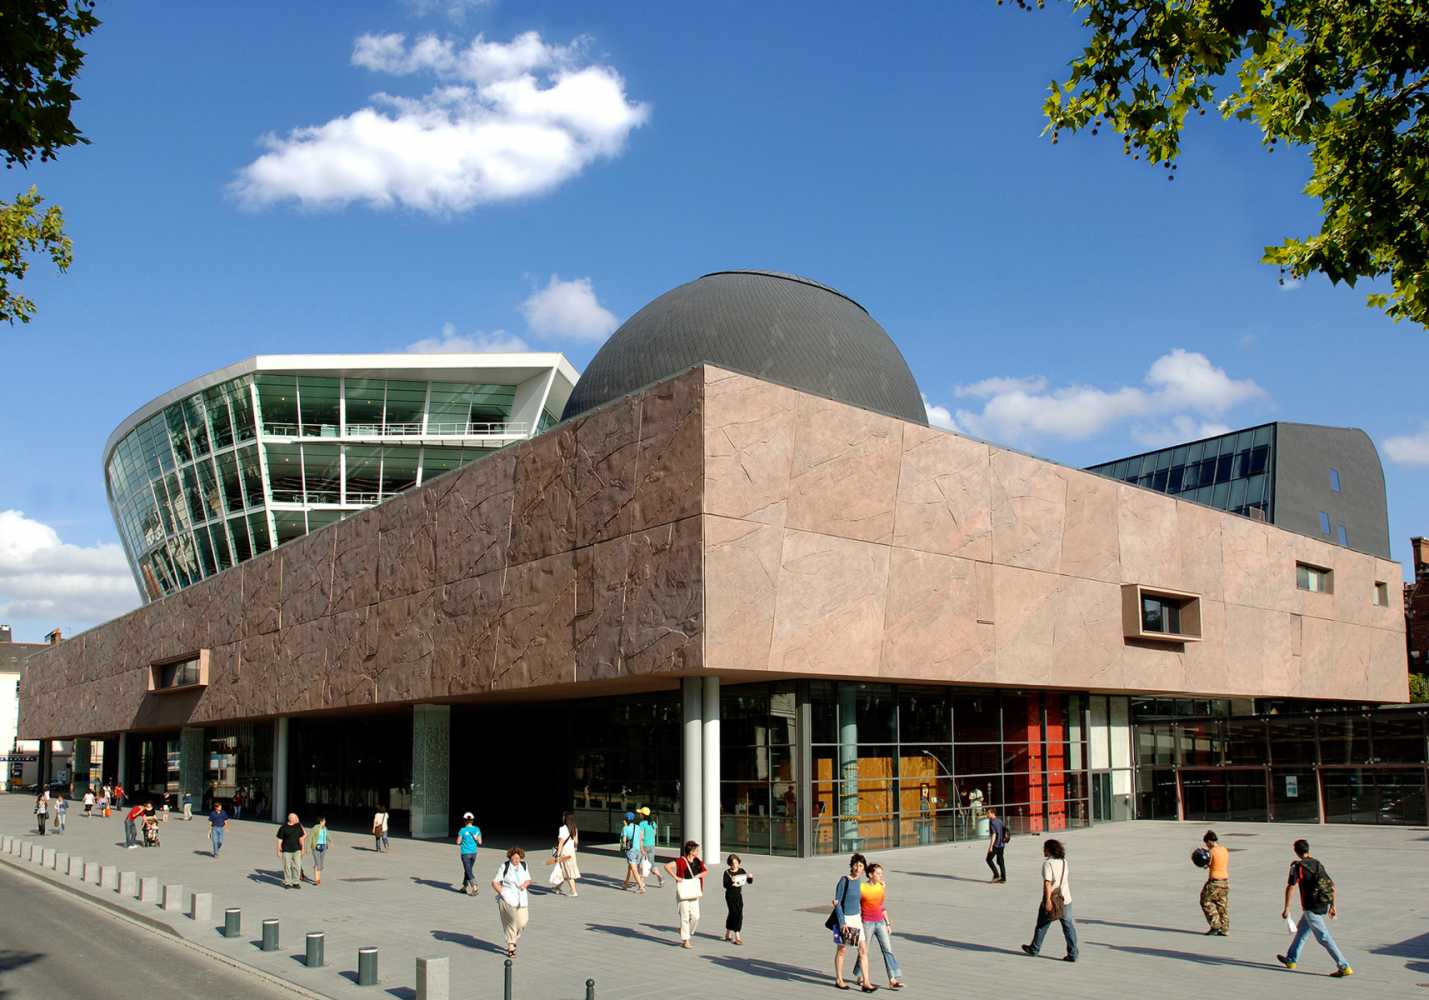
(1315, 579)
(1344, 538)
(1381, 594)
(1334, 480)
(1165, 616)
(1324, 523)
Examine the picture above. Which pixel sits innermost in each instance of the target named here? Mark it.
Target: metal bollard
(590, 989)
(232, 922)
(270, 934)
(507, 991)
(366, 966)
(314, 957)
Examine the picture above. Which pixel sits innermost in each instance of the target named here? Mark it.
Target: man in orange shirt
(1216, 893)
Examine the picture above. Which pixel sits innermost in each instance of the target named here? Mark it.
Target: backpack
(1322, 887)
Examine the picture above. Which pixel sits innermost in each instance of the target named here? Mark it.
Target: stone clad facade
(717, 524)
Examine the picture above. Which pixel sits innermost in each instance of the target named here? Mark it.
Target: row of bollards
(433, 972)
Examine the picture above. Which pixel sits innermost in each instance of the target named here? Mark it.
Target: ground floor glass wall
(238, 768)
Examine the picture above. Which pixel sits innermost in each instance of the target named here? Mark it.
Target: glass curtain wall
(625, 753)
(759, 810)
(1233, 472)
(345, 771)
(900, 765)
(238, 768)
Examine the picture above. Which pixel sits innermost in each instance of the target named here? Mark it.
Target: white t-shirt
(566, 841)
(89, 798)
(380, 820)
(1056, 872)
(511, 878)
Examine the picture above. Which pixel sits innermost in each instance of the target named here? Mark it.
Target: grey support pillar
(45, 758)
(431, 771)
(121, 774)
(79, 766)
(709, 771)
(848, 768)
(691, 785)
(280, 770)
(191, 766)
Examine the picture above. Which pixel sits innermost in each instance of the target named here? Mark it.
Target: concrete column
(691, 787)
(431, 771)
(280, 770)
(45, 758)
(709, 772)
(121, 772)
(79, 766)
(848, 767)
(192, 766)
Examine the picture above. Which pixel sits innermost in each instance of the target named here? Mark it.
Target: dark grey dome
(774, 326)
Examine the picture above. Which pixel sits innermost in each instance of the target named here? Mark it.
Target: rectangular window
(176, 675)
(1334, 480)
(1344, 538)
(1381, 594)
(1324, 523)
(1160, 614)
(1315, 579)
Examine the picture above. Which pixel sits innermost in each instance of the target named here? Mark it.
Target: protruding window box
(1155, 614)
(184, 673)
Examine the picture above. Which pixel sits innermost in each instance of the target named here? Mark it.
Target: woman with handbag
(1056, 901)
(630, 847)
(688, 871)
(319, 849)
(380, 825)
(564, 856)
(846, 921)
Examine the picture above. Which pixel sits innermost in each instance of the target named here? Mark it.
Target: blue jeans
(1314, 923)
(467, 860)
(130, 835)
(215, 837)
(1069, 929)
(877, 930)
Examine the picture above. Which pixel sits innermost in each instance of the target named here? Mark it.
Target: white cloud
(45, 579)
(568, 309)
(939, 416)
(1409, 449)
(477, 342)
(1180, 428)
(1180, 389)
(506, 120)
(453, 10)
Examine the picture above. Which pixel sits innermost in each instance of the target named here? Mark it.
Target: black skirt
(734, 900)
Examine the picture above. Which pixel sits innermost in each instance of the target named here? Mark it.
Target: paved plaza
(1135, 902)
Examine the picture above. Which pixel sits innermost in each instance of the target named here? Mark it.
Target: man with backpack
(997, 837)
(1317, 898)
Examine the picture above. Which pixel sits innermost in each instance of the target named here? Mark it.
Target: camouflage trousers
(1216, 904)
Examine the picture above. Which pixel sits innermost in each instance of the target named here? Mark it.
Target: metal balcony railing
(504, 428)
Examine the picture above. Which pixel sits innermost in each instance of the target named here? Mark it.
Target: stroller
(151, 831)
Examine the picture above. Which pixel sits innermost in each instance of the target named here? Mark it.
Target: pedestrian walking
(648, 866)
(132, 819)
(118, 795)
(877, 926)
(1056, 903)
(188, 806)
(630, 847)
(61, 806)
(381, 820)
(996, 844)
(564, 856)
(238, 801)
(846, 921)
(164, 808)
(1216, 893)
(512, 884)
(104, 801)
(217, 820)
(289, 847)
(688, 871)
(319, 849)
(42, 813)
(1317, 899)
(88, 804)
(106, 792)
(735, 879)
(468, 839)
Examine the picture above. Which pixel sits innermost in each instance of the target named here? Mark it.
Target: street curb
(159, 927)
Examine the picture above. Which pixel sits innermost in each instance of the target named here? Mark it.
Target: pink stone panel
(1202, 565)
(404, 647)
(1029, 509)
(1090, 535)
(931, 628)
(607, 446)
(1027, 612)
(1150, 538)
(353, 658)
(1208, 661)
(262, 594)
(472, 517)
(468, 614)
(828, 617)
(406, 551)
(844, 479)
(741, 585)
(662, 628)
(670, 465)
(354, 569)
(534, 641)
(543, 506)
(1087, 635)
(601, 571)
(944, 494)
(307, 577)
(749, 447)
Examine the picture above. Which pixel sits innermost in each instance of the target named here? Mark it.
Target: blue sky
(1061, 299)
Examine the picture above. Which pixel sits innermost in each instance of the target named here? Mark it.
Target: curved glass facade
(261, 459)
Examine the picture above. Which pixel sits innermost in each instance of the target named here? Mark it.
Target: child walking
(735, 879)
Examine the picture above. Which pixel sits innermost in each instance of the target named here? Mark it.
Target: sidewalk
(1135, 902)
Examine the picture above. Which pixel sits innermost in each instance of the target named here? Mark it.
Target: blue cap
(629, 816)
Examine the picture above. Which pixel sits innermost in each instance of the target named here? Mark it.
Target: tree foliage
(1418, 688)
(39, 60)
(1346, 79)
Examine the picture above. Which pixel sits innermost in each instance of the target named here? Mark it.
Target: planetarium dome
(778, 327)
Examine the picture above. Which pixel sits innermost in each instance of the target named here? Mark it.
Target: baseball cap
(644, 810)
(629, 815)
(467, 816)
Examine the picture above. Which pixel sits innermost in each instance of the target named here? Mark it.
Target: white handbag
(645, 867)
(687, 889)
(558, 874)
